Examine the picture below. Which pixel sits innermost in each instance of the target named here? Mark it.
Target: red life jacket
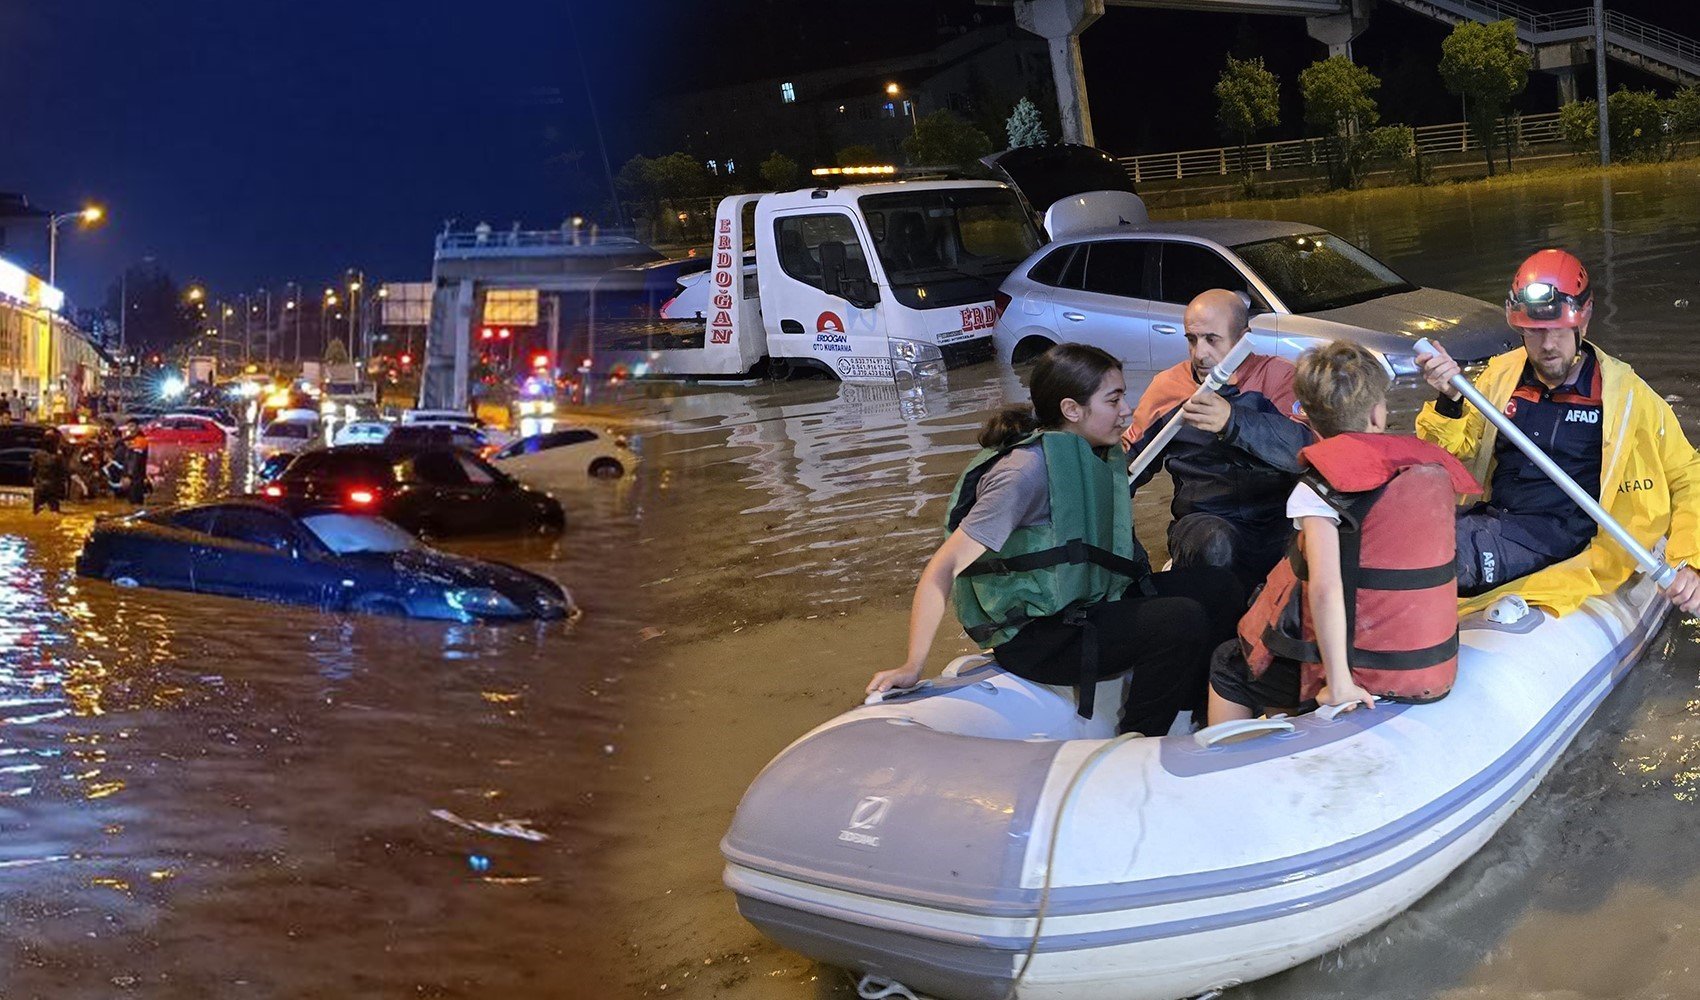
(1396, 497)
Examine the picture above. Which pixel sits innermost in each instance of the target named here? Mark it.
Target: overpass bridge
(468, 265)
(1561, 41)
(1558, 42)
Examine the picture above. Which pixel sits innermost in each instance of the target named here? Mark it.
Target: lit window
(841, 109)
(907, 109)
(787, 93)
(890, 110)
(714, 167)
(731, 166)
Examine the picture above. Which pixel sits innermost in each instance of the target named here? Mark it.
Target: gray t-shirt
(1014, 493)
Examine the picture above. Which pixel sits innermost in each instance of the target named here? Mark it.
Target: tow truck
(865, 282)
(872, 282)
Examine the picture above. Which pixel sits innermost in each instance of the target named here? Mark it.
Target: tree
(1482, 64)
(1637, 122)
(1579, 124)
(779, 172)
(941, 139)
(1683, 112)
(1024, 127)
(860, 155)
(666, 179)
(1249, 100)
(1339, 99)
(635, 182)
(335, 352)
(159, 316)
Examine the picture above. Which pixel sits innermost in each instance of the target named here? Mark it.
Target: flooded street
(213, 797)
(787, 524)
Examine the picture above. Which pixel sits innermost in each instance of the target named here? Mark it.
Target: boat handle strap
(1209, 736)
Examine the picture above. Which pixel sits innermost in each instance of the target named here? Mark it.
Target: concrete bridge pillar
(1060, 23)
(1337, 30)
(1566, 84)
(448, 345)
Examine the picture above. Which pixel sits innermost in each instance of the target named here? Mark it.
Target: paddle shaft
(1217, 378)
(1663, 573)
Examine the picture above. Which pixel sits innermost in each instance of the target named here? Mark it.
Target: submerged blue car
(330, 559)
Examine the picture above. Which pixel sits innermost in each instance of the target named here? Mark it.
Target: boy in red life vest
(1365, 606)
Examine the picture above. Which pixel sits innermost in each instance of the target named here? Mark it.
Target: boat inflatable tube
(977, 839)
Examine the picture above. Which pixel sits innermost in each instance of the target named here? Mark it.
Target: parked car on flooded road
(428, 489)
(17, 443)
(184, 428)
(305, 554)
(286, 436)
(565, 457)
(1124, 289)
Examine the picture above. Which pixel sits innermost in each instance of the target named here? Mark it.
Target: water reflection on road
(211, 797)
(785, 535)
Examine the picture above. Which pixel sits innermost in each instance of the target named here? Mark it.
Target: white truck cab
(868, 283)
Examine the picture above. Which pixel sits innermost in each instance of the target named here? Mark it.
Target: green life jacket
(1085, 556)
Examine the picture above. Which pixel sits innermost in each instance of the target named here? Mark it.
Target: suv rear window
(1050, 268)
(340, 466)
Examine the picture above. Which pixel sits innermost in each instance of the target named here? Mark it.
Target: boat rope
(1091, 761)
(874, 987)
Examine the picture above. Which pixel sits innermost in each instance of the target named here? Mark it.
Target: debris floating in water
(1682, 303)
(649, 632)
(1674, 398)
(520, 828)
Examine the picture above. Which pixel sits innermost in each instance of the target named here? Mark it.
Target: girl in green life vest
(1040, 563)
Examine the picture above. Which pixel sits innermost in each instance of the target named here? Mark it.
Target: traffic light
(540, 360)
(406, 359)
(504, 333)
(486, 334)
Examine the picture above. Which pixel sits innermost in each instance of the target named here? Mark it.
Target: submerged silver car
(1124, 289)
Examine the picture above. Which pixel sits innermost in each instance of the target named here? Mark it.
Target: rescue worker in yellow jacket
(1598, 421)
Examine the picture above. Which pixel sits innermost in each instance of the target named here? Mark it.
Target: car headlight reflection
(480, 601)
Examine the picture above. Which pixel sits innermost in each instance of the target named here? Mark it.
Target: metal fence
(1431, 140)
(493, 240)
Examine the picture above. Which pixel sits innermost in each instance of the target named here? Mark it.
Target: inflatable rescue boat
(977, 839)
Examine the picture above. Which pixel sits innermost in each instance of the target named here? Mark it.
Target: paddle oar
(1218, 378)
(1663, 573)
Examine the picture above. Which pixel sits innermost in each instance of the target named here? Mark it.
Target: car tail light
(362, 497)
(273, 490)
(1000, 301)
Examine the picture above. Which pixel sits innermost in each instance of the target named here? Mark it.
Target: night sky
(255, 142)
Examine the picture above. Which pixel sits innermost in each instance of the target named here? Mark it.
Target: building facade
(812, 116)
(43, 355)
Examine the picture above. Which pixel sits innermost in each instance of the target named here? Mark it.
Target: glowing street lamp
(88, 216)
(893, 90)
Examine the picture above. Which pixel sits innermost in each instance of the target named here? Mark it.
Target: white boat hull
(913, 839)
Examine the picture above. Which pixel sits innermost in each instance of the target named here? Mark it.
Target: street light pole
(89, 215)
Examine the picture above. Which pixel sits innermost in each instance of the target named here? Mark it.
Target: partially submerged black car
(305, 554)
(428, 489)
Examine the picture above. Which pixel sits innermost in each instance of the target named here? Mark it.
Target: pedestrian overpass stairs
(1556, 38)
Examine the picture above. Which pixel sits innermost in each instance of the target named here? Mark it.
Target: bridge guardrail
(1261, 157)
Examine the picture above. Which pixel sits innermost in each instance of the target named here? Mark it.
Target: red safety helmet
(1550, 291)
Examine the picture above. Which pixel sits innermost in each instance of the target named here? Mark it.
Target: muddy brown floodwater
(784, 536)
(208, 797)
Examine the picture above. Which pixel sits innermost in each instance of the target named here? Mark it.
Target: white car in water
(566, 457)
(362, 432)
(286, 437)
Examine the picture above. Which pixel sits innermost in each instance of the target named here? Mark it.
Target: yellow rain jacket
(1649, 480)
